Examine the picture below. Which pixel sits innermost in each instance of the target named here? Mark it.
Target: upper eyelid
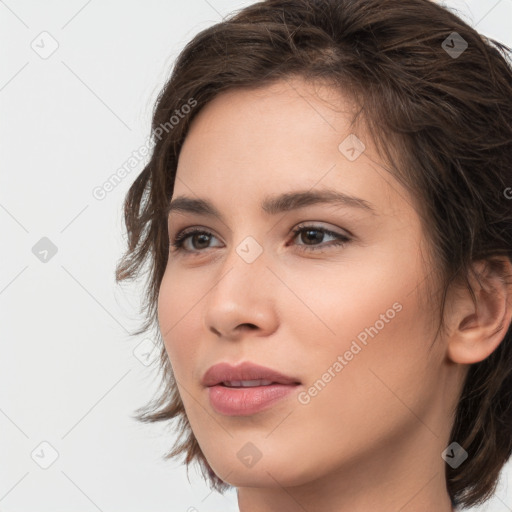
(304, 223)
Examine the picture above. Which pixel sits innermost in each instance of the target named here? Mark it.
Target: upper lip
(225, 372)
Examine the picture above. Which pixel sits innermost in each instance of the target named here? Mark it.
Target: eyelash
(341, 240)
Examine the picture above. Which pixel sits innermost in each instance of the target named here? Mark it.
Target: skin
(372, 438)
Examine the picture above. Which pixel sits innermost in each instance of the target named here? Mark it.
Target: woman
(329, 236)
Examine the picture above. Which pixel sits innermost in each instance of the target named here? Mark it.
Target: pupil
(205, 238)
(318, 236)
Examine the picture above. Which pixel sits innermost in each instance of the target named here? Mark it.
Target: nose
(241, 299)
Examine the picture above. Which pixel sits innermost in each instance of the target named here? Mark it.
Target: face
(337, 306)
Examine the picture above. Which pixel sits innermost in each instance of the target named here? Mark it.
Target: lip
(222, 372)
(244, 401)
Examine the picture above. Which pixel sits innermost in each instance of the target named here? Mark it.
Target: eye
(184, 236)
(317, 233)
(311, 234)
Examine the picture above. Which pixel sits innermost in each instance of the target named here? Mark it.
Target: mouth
(247, 400)
(246, 374)
(247, 383)
(246, 389)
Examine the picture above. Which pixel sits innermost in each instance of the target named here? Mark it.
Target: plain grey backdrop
(78, 80)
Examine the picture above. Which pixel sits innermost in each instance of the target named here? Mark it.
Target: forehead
(273, 118)
(281, 137)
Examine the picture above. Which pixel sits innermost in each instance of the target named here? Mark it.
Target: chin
(272, 472)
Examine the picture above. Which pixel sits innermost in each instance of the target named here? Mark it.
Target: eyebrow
(273, 205)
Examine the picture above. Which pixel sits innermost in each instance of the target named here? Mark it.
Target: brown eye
(312, 234)
(199, 238)
(312, 238)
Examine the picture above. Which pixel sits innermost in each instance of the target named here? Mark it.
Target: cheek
(382, 394)
(367, 336)
(383, 372)
(176, 303)
(362, 295)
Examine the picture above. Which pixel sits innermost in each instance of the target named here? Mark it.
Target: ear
(475, 331)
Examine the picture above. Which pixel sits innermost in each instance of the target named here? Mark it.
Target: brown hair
(447, 116)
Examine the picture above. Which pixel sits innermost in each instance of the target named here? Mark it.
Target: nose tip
(241, 302)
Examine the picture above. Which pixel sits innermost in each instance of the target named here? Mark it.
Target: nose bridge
(244, 267)
(241, 293)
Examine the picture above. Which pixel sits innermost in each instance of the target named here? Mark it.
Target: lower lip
(246, 401)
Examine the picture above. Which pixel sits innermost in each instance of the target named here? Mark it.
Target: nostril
(241, 327)
(248, 326)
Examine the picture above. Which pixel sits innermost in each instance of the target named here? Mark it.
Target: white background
(68, 373)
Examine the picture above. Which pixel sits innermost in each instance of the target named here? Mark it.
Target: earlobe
(477, 330)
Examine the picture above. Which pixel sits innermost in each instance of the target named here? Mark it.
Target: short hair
(438, 98)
